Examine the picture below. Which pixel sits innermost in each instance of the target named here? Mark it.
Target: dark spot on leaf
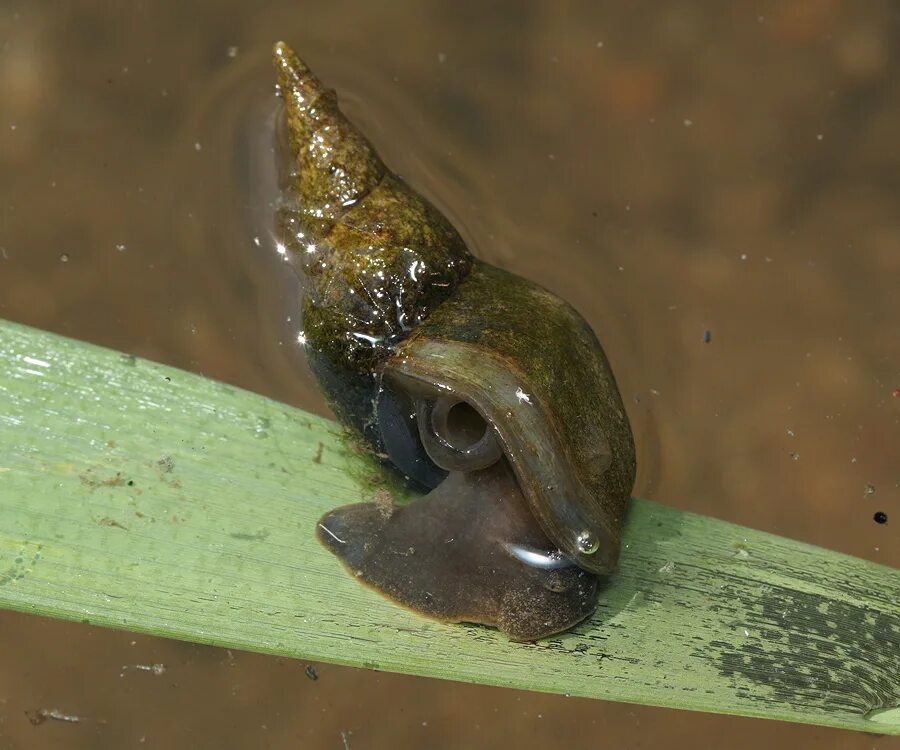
(90, 479)
(810, 650)
(257, 537)
(107, 521)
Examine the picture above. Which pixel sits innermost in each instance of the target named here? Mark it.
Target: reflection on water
(714, 187)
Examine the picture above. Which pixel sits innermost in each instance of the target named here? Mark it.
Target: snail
(475, 384)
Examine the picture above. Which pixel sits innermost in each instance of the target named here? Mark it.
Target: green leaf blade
(136, 496)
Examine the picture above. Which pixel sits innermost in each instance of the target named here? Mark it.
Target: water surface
(714, 186)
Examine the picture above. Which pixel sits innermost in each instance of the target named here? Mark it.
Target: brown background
(670, 168)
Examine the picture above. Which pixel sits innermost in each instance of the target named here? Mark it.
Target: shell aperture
(476, 384)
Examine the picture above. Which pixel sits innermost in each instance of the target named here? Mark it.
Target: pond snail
(477, 385)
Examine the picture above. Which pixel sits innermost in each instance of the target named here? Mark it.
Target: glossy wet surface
(714, 187)
(470, 551)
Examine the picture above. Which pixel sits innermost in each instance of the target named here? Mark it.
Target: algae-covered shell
(377, 256)
(448, 365)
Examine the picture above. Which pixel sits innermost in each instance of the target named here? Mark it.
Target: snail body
(476, 384)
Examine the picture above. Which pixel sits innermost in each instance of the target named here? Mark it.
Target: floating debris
(156, 669)
(41, 715)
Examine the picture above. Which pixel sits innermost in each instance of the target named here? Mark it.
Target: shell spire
(377, 256)
(332, 165)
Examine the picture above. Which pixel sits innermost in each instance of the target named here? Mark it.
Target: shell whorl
(378, 257)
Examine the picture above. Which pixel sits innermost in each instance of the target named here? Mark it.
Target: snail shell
(477, 384)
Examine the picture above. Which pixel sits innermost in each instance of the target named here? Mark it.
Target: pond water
(714, 186)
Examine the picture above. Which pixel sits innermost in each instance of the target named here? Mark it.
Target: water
(714, 187)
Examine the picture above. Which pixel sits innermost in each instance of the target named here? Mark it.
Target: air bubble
(587, 543)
